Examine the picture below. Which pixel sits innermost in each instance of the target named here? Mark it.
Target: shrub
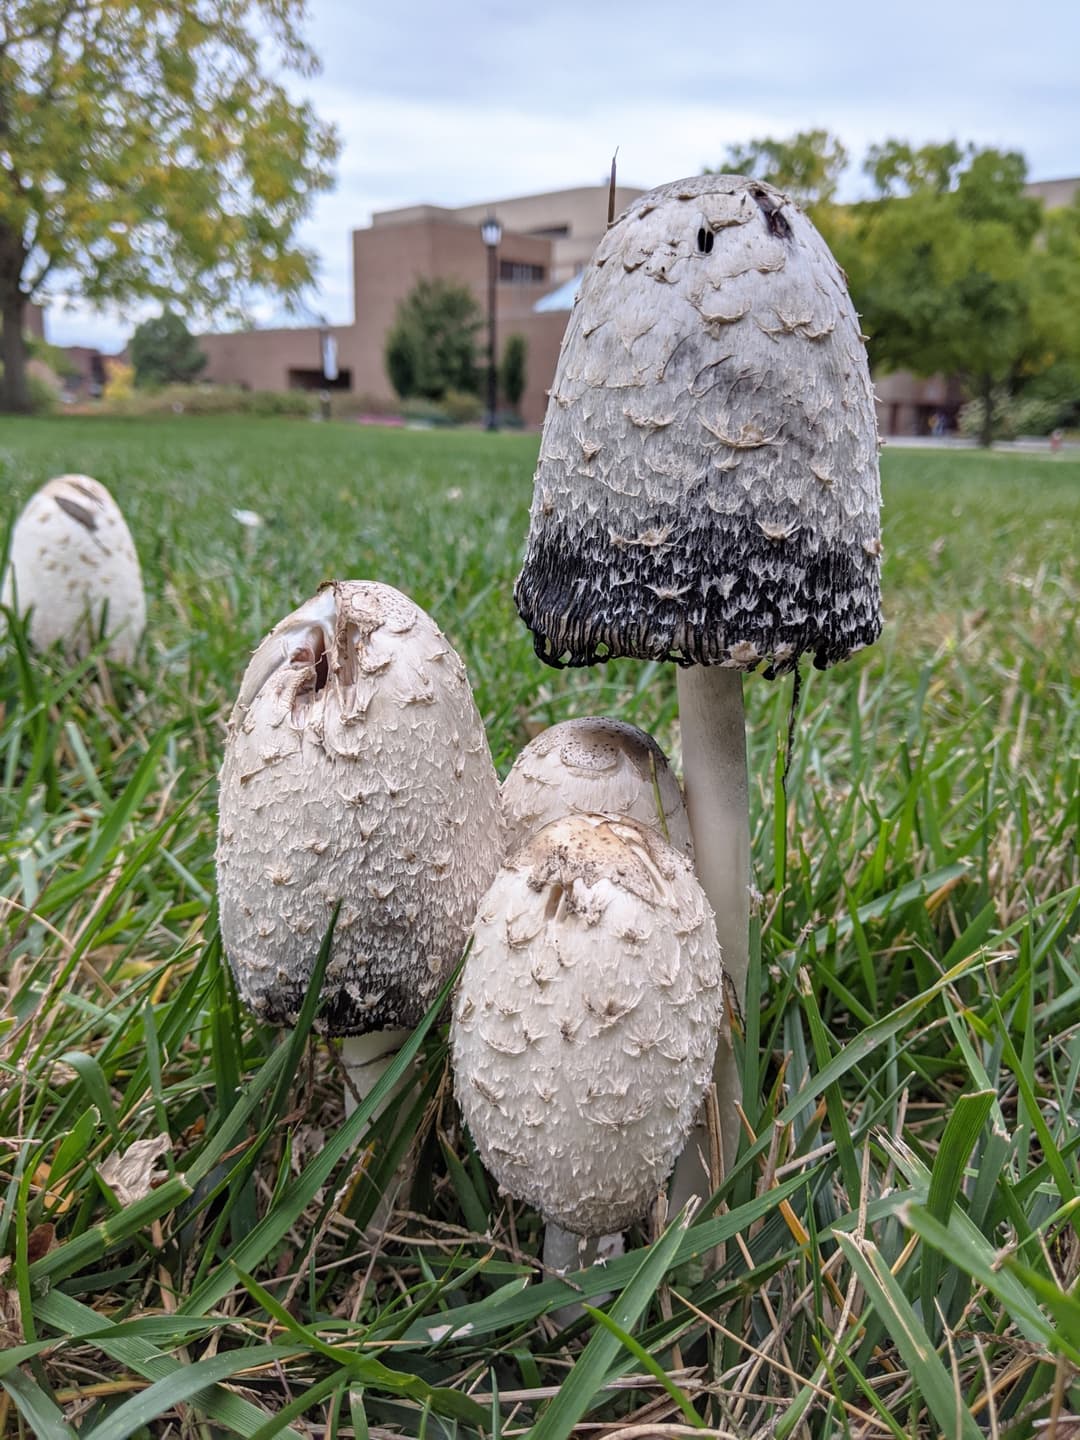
(461, 408)
(1031, 415)
(203, 400)
(424, 412)
(164, 352)
(42, 395)
(121, 380)
(431, 347)
(1014, 415)
(401, 361)
(512, 377)
(344, 405)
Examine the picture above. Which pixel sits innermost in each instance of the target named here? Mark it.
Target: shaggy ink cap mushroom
(707, 488)
(593, 765)
(707, 492)
(356, 771)
(73, 566)
(585, 1021)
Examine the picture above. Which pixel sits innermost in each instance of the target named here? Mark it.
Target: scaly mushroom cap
(593, 766)
(707, 489)
(73, 565)
(586, 1020)
(356, 770)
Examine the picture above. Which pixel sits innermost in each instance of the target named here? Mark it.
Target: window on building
(517, 272)
(315, 380)
(551, 232)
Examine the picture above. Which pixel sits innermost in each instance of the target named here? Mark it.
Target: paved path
(1031, 446)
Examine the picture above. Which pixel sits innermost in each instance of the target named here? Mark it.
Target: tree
(164, 351)
(150, 150)
(431, 347)
(943, 265)
(807, 165)
(512, 377)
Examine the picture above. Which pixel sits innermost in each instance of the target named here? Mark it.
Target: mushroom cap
(586, 1019)
(594, 766)
(707, 489)
(73, 566)
(356, 770)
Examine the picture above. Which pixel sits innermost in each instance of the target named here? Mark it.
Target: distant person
(1057, 439)
(939, 424)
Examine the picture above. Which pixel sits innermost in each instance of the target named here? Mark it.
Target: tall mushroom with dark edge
(356, 772)
(73, 566)
(707, 489)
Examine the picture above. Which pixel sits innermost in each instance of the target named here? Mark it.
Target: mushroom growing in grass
(585, 1020)
(707, 489)
(592, 765)
(73, 566)
(356, 772)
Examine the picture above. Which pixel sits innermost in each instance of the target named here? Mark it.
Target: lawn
(899, 1248)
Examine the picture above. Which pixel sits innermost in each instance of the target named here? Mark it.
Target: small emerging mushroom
(356, 772)
(73, 566)
(585, 1022)
(593, 766)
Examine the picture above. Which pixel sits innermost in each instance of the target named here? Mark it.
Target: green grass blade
(579, 1390)
(295, 1198)
(974, 1254)
(961, 1133)
(38, 1409)
(186, 1384)
(74, 1320)
(648, 1363)
(945, 1401)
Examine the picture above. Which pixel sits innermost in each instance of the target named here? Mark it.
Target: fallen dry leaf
(11, 1331)
(131, 1174)
(40, 1241)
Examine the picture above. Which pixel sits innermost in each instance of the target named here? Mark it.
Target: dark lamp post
(491, 233)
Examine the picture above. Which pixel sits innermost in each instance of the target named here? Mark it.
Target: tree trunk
(14, 389)
(986, 423)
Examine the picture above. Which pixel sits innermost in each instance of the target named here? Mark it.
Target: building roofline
(565, 192)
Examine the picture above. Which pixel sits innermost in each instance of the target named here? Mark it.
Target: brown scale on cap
(707, 489)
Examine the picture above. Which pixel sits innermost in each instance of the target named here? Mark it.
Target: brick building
(546, 240)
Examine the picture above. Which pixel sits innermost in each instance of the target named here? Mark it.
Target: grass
(900, 1248)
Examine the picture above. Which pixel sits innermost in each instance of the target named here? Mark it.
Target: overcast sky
(457, 103)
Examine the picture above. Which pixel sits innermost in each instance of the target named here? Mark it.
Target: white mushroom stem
(366, 1059)
(713, 727)
(565, 1252)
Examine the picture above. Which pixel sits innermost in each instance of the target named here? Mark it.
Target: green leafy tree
(944, 266)
(164, 351)
(512, 375)
(151, 150)
(807, 165)
(431, 347)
